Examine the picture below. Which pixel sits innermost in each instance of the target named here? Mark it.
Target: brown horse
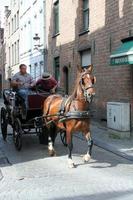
(78, 101)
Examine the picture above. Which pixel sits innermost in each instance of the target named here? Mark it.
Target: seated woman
(47, 83)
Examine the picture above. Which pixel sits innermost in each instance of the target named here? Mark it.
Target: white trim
(122, 54)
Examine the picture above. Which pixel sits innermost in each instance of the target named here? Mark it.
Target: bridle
(88, 97)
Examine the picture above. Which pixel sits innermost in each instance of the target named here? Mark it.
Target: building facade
(71, 33)
(84, 32)
(12, 38)
(31, 26)
(23, 22)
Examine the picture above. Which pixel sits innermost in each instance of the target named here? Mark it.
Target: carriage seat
(35, 100)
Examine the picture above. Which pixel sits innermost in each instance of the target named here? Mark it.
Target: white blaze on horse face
(89, 80)
(88, 75)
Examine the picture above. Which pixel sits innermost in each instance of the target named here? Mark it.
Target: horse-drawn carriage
(68, 115)
(12, 114)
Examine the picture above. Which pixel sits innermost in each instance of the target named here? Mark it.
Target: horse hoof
(86, 158)
(52, 153)
(71, 164)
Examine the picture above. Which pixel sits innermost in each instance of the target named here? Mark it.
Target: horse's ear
(79, 68)
(90, 68)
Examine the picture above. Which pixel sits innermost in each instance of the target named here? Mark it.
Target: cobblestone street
(31, 174)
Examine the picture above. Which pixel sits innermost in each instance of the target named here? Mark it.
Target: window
(56, 17)
(15, 53)
(57, 68)
(41, 67)
(35, 70)
(14, 22)
(66, 79)
(38, 72)
(9, 56)
(9, 29)
(85, 58)
(12, 54)
(30, 68)
(12, 26)
(17, 19)
(85, 15)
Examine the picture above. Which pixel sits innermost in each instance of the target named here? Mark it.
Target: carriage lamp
(43, 51)
(36, 39)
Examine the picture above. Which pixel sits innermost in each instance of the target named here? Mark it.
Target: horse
(80, 100)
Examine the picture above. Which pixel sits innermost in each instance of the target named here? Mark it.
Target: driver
(23, 82)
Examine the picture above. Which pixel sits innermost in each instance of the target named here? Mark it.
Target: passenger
(22, 82)
(47, 83)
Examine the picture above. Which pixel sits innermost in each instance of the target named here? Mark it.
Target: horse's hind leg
(50, 142)
(87, 156)
(53, 132)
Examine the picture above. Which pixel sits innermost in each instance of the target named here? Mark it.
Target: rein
(65, 112)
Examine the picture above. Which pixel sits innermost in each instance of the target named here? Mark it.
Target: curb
(108, 147)
(112, 149)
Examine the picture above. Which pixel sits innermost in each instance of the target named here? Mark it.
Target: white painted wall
(11, 40)
(31, 22)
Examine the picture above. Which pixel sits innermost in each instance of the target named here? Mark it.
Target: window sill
(55, 35)
(84, 32)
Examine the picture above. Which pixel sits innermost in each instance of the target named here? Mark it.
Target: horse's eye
(82, 81)
(94, 80)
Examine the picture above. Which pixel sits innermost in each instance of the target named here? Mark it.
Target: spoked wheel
(17, 134)
(63, 137)
(4, 123)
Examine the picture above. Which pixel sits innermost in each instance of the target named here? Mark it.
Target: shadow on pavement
(123, 195)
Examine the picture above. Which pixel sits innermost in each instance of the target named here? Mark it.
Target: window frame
(56, 17)
(85, 11)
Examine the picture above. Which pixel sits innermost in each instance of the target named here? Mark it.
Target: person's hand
(32, 84)
(20, 83)
(52, 91)
(27, 85)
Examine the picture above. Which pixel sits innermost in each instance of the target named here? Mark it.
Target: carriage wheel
(43, 136)
(4, 123)
(63, 137)
(17, 134)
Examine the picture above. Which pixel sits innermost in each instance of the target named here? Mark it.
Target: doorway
(66, 79)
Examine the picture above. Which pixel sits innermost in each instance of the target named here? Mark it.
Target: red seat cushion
(35, 101)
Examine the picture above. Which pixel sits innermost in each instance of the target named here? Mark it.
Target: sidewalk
(107, 139)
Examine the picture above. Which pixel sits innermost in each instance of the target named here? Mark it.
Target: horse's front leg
(70, 148)
(51, 150)
(87, 156)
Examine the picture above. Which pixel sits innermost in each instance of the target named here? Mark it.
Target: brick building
(84, 32)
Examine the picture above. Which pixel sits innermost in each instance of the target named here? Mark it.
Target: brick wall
(110, 21)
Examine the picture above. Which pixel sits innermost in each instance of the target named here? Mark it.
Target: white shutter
(86, 58)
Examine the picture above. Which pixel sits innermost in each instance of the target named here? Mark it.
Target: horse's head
(87, 81)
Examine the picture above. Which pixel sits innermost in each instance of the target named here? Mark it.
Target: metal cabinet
(118, 116)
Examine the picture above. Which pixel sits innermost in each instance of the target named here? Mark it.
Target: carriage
(48, 113)
(12, 114)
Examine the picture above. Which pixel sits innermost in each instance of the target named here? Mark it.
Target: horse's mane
(73, 95)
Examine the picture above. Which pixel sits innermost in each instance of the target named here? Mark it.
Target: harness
(64, 114)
